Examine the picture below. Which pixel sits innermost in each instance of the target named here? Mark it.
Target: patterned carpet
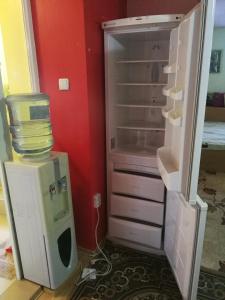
(211, 285)
(140, 276)
(212, 190)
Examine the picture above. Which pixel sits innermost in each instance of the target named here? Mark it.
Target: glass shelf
(130, 61)
(139, 105)
(141, 125)
(136, 150)
(142, 83)
(140, 142)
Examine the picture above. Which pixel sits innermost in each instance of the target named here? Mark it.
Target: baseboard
(92, 252)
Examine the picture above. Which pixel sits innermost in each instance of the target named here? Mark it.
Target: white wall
(217, 80)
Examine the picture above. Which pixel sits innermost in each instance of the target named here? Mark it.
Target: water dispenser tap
(52, 189)
(62, 184)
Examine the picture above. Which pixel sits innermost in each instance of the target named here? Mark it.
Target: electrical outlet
(88, 273)
(97, 200)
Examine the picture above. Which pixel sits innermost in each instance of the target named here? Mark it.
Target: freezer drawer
(135, 232)
(137, 209)
(140, 186)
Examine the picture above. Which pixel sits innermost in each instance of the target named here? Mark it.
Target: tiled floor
(25, 290)
(5, 284)
(21, 290)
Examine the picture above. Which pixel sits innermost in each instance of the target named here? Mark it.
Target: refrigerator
(156, 77)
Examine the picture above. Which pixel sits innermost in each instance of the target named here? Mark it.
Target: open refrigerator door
(179, 159)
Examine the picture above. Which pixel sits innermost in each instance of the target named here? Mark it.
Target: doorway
(211, 187)
(17, 73)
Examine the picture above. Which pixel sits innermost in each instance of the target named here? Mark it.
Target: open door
(179, 159)
(6, 154)
(5, 142)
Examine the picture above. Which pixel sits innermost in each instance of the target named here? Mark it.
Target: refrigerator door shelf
(176, 94)
(168, 169)
(166, 90)
(166, 111)
(172, 115)
(175, 118)
(170, 69)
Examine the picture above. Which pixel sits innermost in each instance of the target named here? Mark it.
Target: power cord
(100, 251)
(109, 264)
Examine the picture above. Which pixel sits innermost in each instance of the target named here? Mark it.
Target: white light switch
(63, 84)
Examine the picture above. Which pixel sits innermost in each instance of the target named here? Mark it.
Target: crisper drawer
(137, 209)
(136, 185)
(135, 232)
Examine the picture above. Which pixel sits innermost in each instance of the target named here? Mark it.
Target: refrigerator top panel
(142, 21)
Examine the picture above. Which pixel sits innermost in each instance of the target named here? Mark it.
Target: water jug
(30, 125)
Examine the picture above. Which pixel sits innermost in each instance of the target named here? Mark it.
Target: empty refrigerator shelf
(141, 125)
(135, 149)
(168, 169)
(130, 61)
(140, 105)
(139, 142)
(142, 83)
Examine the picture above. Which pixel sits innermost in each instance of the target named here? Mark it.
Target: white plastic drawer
(135, 232)
(137, 209)
(140, 186)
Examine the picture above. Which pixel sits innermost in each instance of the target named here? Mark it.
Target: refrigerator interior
(136, 61)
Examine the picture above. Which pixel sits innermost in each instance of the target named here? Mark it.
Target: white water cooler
(43, 214)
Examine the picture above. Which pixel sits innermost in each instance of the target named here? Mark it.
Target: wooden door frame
(35, 88)
(30, 42)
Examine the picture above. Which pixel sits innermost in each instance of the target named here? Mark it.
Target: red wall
(96, 12)
(156, 7)
(69, 44)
